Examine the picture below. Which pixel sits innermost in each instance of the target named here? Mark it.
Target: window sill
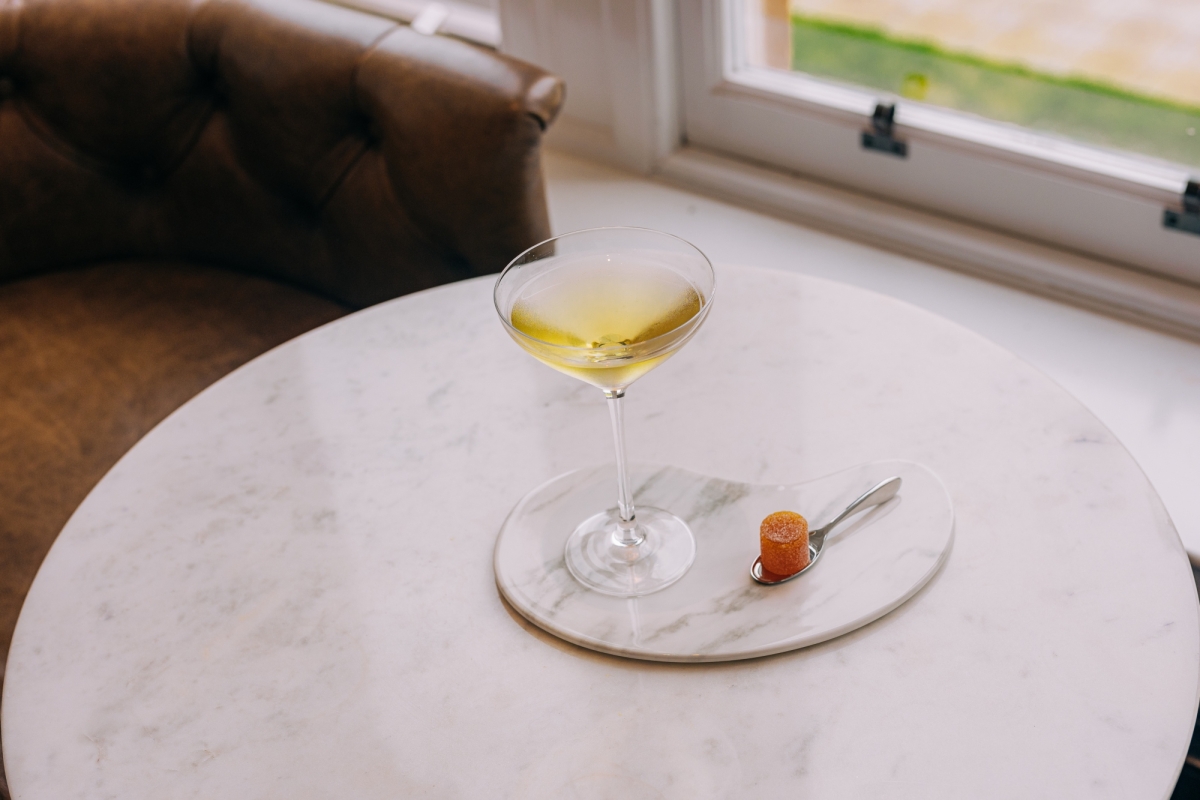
(1125, 292)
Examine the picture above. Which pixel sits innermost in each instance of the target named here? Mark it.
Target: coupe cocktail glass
(606, 306)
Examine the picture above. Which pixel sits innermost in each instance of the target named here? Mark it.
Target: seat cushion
(94, 358)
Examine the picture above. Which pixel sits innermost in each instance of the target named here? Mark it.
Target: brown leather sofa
(187, 183)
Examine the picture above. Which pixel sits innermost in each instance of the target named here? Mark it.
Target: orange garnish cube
(784, 539)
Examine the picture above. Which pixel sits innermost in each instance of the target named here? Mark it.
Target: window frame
(1037, 186)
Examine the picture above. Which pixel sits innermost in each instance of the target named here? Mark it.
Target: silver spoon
(876, 495)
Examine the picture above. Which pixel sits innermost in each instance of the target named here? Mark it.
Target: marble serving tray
(873, 562)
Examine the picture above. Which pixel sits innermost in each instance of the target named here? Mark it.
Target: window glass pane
(1120, 73)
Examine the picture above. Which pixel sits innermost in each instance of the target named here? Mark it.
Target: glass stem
(626, 534)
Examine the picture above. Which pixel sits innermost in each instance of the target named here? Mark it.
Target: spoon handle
(877, 494)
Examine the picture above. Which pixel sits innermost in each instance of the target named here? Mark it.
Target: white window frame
(656, 86)
(1000, 176)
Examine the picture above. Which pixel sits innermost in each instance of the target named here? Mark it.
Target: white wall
(618, 58)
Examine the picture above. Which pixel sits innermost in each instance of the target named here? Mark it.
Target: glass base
(599, 562)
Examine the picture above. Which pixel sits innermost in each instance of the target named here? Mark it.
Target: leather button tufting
(7, 88)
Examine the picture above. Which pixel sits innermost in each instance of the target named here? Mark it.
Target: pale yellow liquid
(609, 309)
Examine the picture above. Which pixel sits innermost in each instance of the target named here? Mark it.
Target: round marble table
(286, 589)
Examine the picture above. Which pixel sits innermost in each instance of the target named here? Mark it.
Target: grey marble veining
(286, 589)
(872, 563)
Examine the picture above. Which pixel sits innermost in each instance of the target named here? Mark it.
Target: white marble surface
(286, 589)
(870, 565)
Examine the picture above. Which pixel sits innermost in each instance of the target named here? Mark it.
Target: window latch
(1189, 219)
(881, 135)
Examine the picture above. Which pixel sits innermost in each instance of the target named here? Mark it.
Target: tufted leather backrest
(291, 138)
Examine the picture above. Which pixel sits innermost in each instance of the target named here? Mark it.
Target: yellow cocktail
(606, 306)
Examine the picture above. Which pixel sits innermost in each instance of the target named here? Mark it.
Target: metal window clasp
(881, 135)
(1189, 219)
